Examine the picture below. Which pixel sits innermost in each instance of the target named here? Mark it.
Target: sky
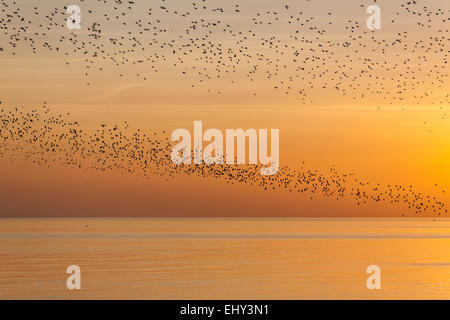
(373, 103)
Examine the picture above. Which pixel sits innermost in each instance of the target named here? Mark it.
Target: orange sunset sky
(371, 103)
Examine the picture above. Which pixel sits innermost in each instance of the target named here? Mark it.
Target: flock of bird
(283, 45)
(49, 139)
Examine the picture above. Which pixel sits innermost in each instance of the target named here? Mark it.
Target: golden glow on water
(225, 258)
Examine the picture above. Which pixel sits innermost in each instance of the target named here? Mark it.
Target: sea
(225, 258)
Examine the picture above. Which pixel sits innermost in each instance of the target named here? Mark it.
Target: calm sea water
(224, 258)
